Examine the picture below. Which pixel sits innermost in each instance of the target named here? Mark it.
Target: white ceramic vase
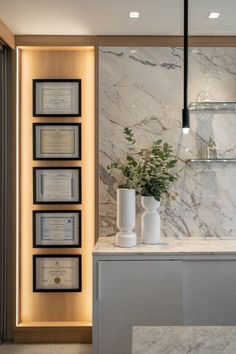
(126, 213)
(150, 221)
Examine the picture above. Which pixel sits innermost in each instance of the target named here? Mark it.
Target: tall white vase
(126, 210)
(150, 221)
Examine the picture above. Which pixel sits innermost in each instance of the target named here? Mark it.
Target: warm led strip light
(17, 183)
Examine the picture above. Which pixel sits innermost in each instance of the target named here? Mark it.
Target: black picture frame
(62, 256)
(77, 201)
(62, 212)
(79, 137)
(37, 82)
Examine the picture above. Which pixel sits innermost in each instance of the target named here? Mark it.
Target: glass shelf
(212, 160)
(212, 106)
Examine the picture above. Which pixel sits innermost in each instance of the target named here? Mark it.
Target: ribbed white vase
(150, 221)
(126, 213)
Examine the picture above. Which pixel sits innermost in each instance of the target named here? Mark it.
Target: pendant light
(185, 110)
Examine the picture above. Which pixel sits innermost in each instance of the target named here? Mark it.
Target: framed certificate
(56, 229)
(57, 185)
(57, 273)
(57, 141)
(57, 98)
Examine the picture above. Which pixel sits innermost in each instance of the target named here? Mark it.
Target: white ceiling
(110, 17)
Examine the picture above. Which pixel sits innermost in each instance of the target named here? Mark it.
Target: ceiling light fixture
(214, 15)
(134, 14)
(185, 110)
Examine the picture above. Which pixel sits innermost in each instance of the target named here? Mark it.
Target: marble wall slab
(142, 88)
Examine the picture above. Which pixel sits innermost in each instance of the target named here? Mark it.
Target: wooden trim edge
(126, 41)
(53, 335)
(6, 35)
(59, 40)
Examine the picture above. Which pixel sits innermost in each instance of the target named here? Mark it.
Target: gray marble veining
(184, 340)
(142, 88)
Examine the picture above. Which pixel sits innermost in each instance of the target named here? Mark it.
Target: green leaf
(147, 170)
(158, 142)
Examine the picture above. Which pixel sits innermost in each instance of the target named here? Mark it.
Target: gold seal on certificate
(57, 273)
(57, 229)
(57, 185)
(57, 280)
(57, 98)
(57, 141)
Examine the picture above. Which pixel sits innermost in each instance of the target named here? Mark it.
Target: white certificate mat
(57, 273)
(57, 229)
(57, 141)
(57, 98)
(58, 185)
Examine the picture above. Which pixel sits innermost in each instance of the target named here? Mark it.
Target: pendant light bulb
(185, 130)
(185, 120)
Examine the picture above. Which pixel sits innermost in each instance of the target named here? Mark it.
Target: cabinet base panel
(53, 335)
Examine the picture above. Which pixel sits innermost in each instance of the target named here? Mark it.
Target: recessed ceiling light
(214, 15)
(133, 51)
(134, 14)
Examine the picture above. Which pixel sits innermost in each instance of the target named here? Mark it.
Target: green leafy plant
(148, 171)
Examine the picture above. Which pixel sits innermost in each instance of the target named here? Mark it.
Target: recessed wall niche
(55, 316)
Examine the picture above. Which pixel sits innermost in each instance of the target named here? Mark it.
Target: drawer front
(209, 293)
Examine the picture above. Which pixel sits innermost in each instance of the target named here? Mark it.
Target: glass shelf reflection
(212, 106)
(212, 160)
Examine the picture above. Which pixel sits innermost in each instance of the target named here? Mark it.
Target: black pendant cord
(185, 111)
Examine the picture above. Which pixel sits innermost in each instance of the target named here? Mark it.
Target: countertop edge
(177, 253)
(105, 246)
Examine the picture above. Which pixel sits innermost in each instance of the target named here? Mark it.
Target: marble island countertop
(169, 246)
(184, 340)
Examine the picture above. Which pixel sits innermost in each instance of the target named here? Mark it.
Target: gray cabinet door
(209, 293)
(135, 293)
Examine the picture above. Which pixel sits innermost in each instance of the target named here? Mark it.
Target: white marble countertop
(184, 340)
(169, 246)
